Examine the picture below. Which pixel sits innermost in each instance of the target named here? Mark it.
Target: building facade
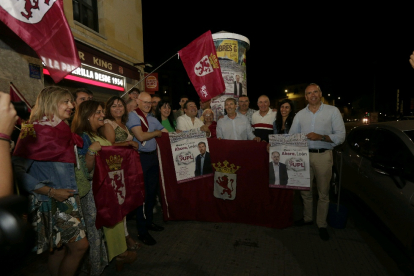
(109, 38)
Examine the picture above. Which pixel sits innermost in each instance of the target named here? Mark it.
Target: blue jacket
(32, 175)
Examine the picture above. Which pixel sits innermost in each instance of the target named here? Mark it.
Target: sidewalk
(204, 248)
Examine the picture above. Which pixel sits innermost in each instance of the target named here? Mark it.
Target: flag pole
(149, 74)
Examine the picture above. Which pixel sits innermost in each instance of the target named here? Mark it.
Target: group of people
(59, 178)
(323, 125)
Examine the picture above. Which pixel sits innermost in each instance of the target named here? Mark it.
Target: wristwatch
(323, 138)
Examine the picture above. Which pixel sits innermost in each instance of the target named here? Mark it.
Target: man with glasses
(134, 93)
(145, 128)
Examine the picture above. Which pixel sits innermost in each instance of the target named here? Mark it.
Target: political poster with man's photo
(289, 161)
(191, 155)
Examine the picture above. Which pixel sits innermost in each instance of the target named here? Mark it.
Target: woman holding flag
(43, 161)
(89, 117)
(116, 132)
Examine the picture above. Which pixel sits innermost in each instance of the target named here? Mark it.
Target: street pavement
(206, 248)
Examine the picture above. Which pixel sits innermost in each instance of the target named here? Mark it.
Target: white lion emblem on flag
(203, 67)
(28, 11)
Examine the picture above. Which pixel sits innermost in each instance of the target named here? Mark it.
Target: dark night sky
(347, 51)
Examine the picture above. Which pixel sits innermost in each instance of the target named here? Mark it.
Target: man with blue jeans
(145, 128)
(325, 129)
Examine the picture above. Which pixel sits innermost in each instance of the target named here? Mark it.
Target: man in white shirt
(234, 126)
(189, 120)
(262, 120)
(324, 127)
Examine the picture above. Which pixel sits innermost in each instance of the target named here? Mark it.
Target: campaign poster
(289, 161)
(217, 106)
(191, 155)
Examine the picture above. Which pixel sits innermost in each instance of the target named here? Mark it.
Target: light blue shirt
(238, 128)
(326, 121)
(153, 124)
(248, 114)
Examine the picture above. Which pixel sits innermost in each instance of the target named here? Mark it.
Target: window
(360, 140)
(390, 150)
(86, 12)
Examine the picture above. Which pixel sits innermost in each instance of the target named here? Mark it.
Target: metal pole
(339, 184)
(149, 74)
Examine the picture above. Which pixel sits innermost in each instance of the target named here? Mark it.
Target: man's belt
(318, 150)
(154, 152)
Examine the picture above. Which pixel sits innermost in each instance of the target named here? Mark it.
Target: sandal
(131, 243)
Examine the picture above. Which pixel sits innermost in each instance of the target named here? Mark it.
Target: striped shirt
(263, 125)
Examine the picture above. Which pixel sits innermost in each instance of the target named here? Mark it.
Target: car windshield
(410, 133)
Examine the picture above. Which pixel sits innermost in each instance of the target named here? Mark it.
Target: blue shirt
(238, 128)
(153, 124)
(326, 121)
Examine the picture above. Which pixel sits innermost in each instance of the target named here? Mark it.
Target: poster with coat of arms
(289, 161)
(191, 155)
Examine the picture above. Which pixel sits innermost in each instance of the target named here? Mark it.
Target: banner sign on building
(92, 73)
(191, 155)
(289, 161)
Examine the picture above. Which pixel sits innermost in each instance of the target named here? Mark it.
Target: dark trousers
(150, 168)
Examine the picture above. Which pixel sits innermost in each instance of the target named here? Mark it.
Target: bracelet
(54, 191)
(92, 152)
(48, 193)
(4, 139)
(5, 136)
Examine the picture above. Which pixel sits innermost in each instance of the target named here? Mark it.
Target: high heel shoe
(131, 243)
(128, 257)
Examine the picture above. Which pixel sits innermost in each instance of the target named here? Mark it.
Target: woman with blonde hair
(89, 117)
(208, 119)
(44, 164)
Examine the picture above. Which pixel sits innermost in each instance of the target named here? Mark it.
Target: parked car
(378, 166)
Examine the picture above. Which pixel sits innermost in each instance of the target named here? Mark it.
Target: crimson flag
(255, 203)
(118, 184)
(202, 66)
(42, 25)
(43, 142)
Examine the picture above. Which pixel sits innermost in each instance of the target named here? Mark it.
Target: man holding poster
(324, 129)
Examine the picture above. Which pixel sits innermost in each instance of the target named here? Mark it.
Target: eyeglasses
(207, 115)
(135, 93)
(144, 102)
